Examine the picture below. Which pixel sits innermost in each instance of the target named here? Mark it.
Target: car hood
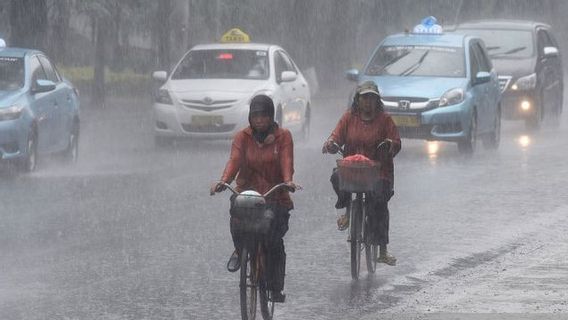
(427, 87)
(514, 67)
(8, 98)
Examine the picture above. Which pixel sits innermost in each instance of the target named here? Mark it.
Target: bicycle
(249, 208)
(359, 178)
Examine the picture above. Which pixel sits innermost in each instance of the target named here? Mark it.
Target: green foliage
(123, 82)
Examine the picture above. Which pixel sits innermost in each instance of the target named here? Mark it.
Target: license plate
(206, 121)
(406, 121)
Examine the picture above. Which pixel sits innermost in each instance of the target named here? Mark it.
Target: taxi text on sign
(235, 35)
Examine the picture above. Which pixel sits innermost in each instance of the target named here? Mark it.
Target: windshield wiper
(415, 66)
(393, 60)
(514, 50)
(493, 48)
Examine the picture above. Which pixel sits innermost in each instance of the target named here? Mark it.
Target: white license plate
(206, 121)
(406, 121)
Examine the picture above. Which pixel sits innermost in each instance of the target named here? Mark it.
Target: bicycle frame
(253, 266)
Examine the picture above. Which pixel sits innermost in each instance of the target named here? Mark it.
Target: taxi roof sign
(428, 25)
(235, 35)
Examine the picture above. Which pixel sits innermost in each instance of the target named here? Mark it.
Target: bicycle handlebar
(269, 192)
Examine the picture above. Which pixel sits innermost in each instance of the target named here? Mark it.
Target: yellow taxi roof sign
(235, 35)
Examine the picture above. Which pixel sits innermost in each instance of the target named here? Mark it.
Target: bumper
(518, 105)
(179, 121)
(12, 139)
(442, 124)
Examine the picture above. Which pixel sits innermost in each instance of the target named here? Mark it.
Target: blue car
(39, 110)
(437, 86)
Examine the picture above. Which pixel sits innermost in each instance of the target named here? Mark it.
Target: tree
(28, 22)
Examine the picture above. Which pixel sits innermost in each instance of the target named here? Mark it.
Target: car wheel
(278, 117)
(29, 162)
(71, 154)
(307, 123)
(557, 110)
(492, 140)
(469, 143)
(535, 119)
(163, 142)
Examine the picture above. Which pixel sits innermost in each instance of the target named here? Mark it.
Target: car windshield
(223, 64)
(424, 61)
(11, 73)
(505, 44)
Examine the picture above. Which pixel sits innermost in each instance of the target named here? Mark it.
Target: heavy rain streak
(119, 118)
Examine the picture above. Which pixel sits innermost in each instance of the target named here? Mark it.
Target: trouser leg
(276, 255)
(343, 198)
(379, 213)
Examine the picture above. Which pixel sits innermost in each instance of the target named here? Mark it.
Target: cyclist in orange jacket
(360, 130)
(262, 156)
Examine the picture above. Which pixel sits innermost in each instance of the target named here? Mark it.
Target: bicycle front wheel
(355, 235)
(248, 284)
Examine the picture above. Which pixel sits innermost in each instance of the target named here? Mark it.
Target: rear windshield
(505, 44)
(11, 73)
(223, 64)
(426, 61)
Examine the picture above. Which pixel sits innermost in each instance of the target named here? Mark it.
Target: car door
(302, 94)
(285, 90)
(491, 88)
(61, 112)
(478, 91)
(43, 106)
(551, 67)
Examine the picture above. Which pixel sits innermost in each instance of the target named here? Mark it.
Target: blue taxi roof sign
(428, 25)
(2, 43)
(235, 35)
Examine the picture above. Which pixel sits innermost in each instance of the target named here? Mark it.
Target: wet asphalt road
(131, 232)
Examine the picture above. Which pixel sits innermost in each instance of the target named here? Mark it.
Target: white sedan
(208, 93)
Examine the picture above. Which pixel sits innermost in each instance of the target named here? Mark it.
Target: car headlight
(11, 113)
(164, 97)
(451, 97)
(525, 83)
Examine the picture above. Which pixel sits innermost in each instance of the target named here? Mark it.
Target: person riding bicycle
(361, 130)
(261, 157)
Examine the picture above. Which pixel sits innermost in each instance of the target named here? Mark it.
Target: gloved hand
(217, 186)
(293, 186)
(330, 147)
(385, 146)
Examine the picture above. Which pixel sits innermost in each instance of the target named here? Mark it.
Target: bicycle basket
(249, 214)
(358, 176)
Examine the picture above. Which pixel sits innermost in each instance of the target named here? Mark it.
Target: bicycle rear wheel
(248, 284)
(371, 250)
(266, 304)
(355, 235)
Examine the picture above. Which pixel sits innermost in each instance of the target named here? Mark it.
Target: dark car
(529, 64)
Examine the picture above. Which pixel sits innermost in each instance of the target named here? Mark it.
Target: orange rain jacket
(262, 166)
(362, 137)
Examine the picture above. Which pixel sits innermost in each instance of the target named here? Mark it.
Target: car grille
(187, 127)
(208, 105)
(504, 82)
(402, 104)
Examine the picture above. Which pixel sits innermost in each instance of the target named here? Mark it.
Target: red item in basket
(357, 158)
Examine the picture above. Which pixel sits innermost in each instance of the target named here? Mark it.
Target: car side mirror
(160, 75)
(550, 52)
(482, 77)
(352, 75)
(42, 85)
(288, 76)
